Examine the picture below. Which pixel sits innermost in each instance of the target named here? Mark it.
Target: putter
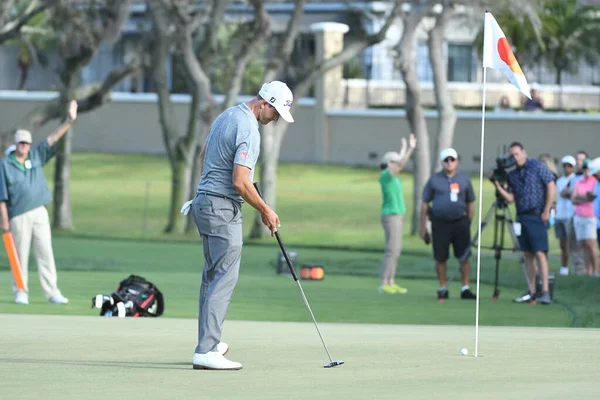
(331, 363)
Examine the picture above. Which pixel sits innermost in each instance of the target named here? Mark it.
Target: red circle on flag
(507, 55)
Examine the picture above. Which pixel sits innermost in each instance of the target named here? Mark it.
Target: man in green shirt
(392, 213)
(24, 194)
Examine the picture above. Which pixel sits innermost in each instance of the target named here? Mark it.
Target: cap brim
(286, 115)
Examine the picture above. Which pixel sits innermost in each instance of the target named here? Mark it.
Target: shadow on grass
(105, 364)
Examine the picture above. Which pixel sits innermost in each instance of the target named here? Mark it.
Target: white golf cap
(449, 152)
(23, 136)
(391, 156)
(594, 166)
(279, 95)
(568, 160)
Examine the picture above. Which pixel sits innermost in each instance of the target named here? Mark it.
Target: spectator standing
(448, 199)
(531, 187)
(392, 213)
(564, 211)
(585, 220)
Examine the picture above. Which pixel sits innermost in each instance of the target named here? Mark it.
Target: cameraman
(531, 187)
(451, 212)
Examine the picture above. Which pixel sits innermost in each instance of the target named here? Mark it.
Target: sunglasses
(449, 159)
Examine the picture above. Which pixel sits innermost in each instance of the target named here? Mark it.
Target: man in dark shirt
(535, 103)
(531, 187)
(451, 212)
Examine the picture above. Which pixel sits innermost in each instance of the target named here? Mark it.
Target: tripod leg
(498, 244)
(516, 246)
(484, 223)
(496, 290)
(488, 215)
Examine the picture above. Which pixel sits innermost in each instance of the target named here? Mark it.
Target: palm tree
(570, 33)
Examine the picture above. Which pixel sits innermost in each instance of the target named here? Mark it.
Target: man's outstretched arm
(64, 127)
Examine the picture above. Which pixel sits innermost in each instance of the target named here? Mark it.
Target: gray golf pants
(219, 222)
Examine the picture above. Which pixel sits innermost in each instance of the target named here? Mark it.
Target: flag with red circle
(497, 54)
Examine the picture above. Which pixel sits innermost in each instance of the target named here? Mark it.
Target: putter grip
(281, 245)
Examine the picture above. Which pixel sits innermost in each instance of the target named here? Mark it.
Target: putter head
(333, 364)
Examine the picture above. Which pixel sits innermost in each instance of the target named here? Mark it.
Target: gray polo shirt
(449, 196)
(233, 139)
(24, 187)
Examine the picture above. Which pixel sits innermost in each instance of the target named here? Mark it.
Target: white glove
(186, 207)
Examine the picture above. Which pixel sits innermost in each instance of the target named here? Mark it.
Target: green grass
(348, 293)
(330, 215)
(98, 358)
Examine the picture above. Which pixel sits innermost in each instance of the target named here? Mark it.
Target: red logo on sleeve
(244, 155)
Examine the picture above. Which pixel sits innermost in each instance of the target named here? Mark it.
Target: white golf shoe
(21, 298)
(214, 360)
(58, 299)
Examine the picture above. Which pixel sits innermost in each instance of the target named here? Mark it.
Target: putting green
(76, 357)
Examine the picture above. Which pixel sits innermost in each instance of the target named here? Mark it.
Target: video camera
(503, 164)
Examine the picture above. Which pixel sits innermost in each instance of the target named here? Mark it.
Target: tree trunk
(418, 125)
(181, 174)
(270, 144)
(63, 216)
(23, 77)
(445, 106)
(414, 111)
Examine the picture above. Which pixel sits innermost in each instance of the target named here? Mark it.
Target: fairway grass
(59, 357)
(347, 294)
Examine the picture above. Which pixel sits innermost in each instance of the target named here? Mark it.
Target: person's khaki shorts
(585, 228)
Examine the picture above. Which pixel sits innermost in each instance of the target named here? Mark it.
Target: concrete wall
(129, 124)
(362, 137)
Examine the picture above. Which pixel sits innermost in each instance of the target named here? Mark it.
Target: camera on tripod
(503, 165)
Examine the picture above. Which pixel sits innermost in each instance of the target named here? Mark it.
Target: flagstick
(482, 159)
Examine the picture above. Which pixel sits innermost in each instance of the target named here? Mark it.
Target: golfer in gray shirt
(228, 158)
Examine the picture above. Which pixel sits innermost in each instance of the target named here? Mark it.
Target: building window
(460, 63)
(424, 71)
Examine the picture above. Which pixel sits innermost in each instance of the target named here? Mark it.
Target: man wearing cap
(531, 187)
(564, 211)
(228, 158)
(24, 194)
(452, 197)
(392, 213)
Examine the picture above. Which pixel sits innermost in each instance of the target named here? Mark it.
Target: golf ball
(464, 352)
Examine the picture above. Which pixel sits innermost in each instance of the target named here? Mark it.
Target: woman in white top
(564, 211)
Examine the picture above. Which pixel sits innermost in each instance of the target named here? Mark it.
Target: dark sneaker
(545, 299)
(526, 298)
(442, 295)
(467, 295)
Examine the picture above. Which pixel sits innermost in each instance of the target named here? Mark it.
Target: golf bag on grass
(134, 297)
